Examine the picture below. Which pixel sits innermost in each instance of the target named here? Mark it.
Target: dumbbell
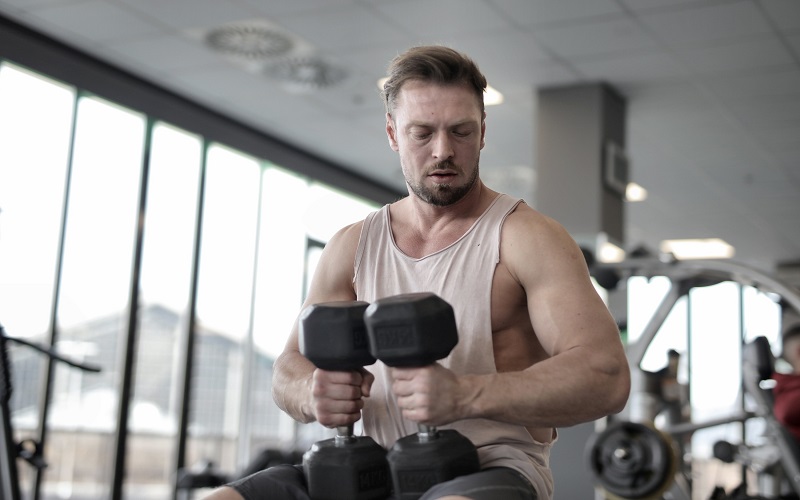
(333, 337)
(415, 330)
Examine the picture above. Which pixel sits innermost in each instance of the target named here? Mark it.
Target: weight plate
(631, 460)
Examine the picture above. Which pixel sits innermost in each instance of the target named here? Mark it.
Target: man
(537, 347)
(787, 385)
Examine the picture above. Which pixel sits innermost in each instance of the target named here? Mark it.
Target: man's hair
(433, 64)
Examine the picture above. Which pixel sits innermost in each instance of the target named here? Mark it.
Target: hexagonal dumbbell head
(333, 335)
(411, 330)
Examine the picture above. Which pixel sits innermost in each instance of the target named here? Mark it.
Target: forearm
(559, 392)
(291, 385)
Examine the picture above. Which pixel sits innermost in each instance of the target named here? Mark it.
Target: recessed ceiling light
(700, 248)
(307, 73)
(609, 252)
(492, 96)
(635, 192)
(249, 41)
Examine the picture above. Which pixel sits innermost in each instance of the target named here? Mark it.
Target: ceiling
(713, 89)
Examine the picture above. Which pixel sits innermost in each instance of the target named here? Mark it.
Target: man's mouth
(442, 176)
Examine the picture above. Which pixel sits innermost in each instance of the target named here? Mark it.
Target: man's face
(439, 133)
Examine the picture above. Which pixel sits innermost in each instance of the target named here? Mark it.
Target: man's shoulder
(524, 219)
(345, 240)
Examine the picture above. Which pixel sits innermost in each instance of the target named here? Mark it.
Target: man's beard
(442, 195)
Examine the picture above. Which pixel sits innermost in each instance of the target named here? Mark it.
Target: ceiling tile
(772, 83)
(767, 112)
(738, 56)
(705, 24)
(789, 160)
(371, 60)
(183, 14)
(794, 42)
(500, 65)
(782, 139)
(633, 69)
(355, 96)
(591, 39)
(539, 12)
(32, 4)
(785, 13)
(81, 19)
(280, 7)
(666, 99)
(434, 19)
(342, 27)
(12, 7)
(167, 52)
(546, 74)
(638, 5)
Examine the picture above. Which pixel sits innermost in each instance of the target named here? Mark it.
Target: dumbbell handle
(344, 433)
(427, 432)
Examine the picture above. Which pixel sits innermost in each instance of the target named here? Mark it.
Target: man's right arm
(295, 380)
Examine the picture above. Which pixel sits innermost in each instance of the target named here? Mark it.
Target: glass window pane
(33, 111)
(225, 289)
(281, 259)
(644, 297)
(716, 350)
(99, 243)
(762, 317)
(169, 230)
(328, 209)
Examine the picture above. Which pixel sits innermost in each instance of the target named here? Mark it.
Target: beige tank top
(461, 274)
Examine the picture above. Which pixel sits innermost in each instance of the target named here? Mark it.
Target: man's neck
(427, 215)
(420, 228)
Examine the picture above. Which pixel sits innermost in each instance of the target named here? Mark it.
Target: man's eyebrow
(420, 123)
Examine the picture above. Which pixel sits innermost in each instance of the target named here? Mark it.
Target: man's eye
(420, 135)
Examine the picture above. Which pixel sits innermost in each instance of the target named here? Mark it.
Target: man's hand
(430, 395)
(337, 396)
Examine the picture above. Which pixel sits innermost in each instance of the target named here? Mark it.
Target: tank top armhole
(362, 243)
(514, 205)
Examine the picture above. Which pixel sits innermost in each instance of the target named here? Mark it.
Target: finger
(339, 377)
(337, 419)
(332, 412)
(350, 382)
(403, 373)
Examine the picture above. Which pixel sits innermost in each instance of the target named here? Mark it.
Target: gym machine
(630, 456)
(28, 449)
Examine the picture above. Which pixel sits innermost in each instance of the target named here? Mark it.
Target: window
(222, 234)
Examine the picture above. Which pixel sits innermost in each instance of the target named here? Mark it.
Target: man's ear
(483, 130)
(391, 132)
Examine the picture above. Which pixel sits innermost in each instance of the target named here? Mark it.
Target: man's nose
(442, 147)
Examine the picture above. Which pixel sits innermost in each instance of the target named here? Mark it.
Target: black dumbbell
(415, 330)
(333, 337)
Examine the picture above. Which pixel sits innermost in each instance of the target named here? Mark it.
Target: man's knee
(282, 482)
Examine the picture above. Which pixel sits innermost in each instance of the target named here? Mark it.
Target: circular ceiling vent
(249, 42)
(308, 73)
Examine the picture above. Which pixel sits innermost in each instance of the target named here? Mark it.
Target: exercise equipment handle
(51, 353)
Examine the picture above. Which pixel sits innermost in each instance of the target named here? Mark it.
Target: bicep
(564, 307)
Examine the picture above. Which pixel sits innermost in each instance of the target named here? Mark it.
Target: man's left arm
(586, 375)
